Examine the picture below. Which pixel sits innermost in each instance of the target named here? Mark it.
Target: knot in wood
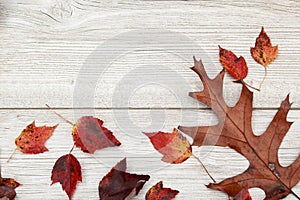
(62, 9)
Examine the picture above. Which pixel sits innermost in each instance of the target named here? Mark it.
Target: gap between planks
(130, 108)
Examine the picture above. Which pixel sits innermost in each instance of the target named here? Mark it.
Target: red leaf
(7, 187)
(90, 135)
(243, 195)
(234, 130)
(263, 52)
(174, 146)
(236, 67)
(157, 192)
(32, 139)
(67, 171)
(118, 184)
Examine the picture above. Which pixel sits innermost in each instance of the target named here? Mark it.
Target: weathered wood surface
(140, 53)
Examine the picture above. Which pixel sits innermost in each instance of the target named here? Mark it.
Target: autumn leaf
(158, 192)
(118, 184)
(235, 66)
(234, 130)
(7, 187)
(67, 171)
(243, 195)
(174, 146)
(90, 135)
(32, 139)
(263, 52)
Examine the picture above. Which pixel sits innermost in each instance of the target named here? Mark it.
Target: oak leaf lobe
(234, 130)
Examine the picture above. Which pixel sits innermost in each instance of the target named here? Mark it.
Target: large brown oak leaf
(234, 130)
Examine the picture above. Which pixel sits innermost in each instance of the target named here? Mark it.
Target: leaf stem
(72, 149)
(295, 195)
(201, 163)
(250, 86)
(12, 154)
(60, 116)
(263, 80)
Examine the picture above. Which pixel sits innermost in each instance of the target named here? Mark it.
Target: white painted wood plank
(34, 170)
(41, 58)
(45, 44)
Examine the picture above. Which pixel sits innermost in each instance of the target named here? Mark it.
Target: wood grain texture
(130, 60)
(34, 170)
(48, 54)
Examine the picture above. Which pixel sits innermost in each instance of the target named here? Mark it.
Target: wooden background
(45, 44)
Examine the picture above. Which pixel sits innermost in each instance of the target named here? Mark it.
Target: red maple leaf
(174, 146)
(90, 135)
(32, 139)
(7, 187)
(158, 192)
(236, 66)
(234, 130)
(67, 171)
(118, 184)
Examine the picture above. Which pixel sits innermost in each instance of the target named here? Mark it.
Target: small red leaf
(7, 188)
(174, 146)
(32, 139)
(157, 192)
(67, 171)
(118, 184)
(235, 66)
(263, 52)
(243, 195)
(90, 135)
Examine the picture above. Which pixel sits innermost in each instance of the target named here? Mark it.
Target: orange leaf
(236, 67)
(67, 171)
(32, 139)
(174, 146)
(157, 192)
(90, 135)
(263, 52)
